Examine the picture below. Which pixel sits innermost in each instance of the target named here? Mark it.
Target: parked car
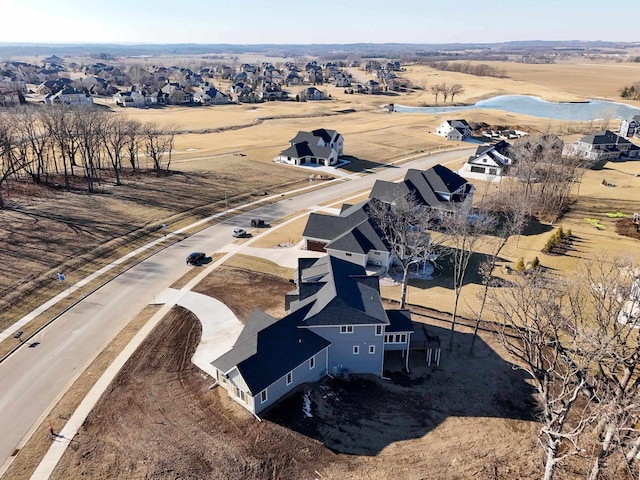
(194, 258)
(239, 232)
(258, 223)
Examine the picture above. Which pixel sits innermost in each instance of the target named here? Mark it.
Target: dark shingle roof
(423, 185)
(312, 137)
(604, 138)
(361, 239)
(399, 321)
(328, 227)
(305, 149)
(269, 350)
(347, 297)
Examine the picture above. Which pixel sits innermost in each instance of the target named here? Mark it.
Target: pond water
(536, 107)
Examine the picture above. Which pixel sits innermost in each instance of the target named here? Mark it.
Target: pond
(536, 107)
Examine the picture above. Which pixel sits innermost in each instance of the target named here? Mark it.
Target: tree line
(479, 70)
(55, 145)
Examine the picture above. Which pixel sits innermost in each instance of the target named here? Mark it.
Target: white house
(454, 130)
(130, 99)
(318, 147)
(630, 127)
(69, 96)
(489, 161)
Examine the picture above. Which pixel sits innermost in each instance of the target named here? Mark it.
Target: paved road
(32, 378)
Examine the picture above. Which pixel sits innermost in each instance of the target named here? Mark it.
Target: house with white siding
(318, 147)
(454, 130)
(489, 161)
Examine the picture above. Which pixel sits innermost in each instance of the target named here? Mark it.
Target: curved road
(33, 378)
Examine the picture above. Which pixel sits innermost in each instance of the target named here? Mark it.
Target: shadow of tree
(364, 414)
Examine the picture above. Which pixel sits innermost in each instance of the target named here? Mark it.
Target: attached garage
(316, 246)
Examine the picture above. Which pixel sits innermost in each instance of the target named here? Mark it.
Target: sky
(313, 21)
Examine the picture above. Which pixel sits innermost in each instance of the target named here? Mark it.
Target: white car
(239, 232)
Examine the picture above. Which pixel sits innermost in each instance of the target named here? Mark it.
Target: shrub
(549, 245)
(519, 267)
(568, 234)
(535, 263)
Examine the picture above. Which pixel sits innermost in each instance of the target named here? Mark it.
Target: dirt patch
(242, 290)
(626, 227)
(160, 420)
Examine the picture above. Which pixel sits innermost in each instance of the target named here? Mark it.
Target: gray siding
(341, 349)
(301, 374)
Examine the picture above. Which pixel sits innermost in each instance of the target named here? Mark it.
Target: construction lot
(160, 419)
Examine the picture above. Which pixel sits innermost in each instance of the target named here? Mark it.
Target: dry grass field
(187, 430)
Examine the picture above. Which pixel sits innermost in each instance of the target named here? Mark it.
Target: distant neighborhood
(144, 87)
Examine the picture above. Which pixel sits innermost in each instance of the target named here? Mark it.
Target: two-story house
(489, 161)
(630, 127)
(318, 147)
(454, 130)
(438, 188)
(602, 146)
(336, 324)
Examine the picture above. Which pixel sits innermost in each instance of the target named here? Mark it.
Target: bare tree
(605, 299)
(154, 144)
(9, 161)
(132, 141)
(444, 90)
(541, 339)
(455, 89)
(543, 175)
(114, 135)
(404, 226)
(465, 231)
(435, 89)
(510, 221)
(35, 135)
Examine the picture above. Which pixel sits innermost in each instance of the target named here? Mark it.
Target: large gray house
(602, 146)
(438, 188)
(335, 325)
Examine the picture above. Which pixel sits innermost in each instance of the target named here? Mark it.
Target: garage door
(316, 246)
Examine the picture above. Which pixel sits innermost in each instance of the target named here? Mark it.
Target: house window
(403, 337)
(372, 349)
(386, 339)
(346, 329)
(378, 329)
(397, 339)
(263, 396)
(349, 254)
(356, 349)
(312, 362)
(289, 378)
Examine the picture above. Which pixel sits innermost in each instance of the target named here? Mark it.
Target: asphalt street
(35, 377)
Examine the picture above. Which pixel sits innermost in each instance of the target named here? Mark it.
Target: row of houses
(335, 322)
